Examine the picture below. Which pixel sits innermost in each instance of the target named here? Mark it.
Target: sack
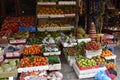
(101, 75)
(111, 73)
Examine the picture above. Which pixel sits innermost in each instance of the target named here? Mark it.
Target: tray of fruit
(85, 64)
(89, 73)
(9, 68)
(33, 63)
(33, 49)
(107, 54)
(101, 61)
(92, 49)
(54, 63)
(12, 19)
(51, 49)
(12, 51)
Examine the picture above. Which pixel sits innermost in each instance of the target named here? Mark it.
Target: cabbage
(6, 68)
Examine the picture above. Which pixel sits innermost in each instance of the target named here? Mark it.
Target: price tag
(9, 54)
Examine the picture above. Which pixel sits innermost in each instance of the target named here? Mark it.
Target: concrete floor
(69, 73)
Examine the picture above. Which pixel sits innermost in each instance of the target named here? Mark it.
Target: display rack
(56, 15)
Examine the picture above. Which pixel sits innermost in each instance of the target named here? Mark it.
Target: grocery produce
(72, 51)
(51, 48)
(12, 19)
(27, 18)
(5, 34)
(106, 53)
(48, 25)
(36, 40)
(26, 24)
(50, 10)
(53, 59)
(80, 33)
(13, 26)
(100, 60)
(92, 45)
(19, 35)
(111, 65)
(85, 62)
(33, 49)
(9, 65)
(33, 61)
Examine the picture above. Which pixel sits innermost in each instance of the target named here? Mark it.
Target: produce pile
(53, 59)
(33, 49)
(13, 23)
(85, 63)
(9, 65)
(92, 45)
(33, 61)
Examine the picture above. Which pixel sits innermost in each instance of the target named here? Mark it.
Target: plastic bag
(101, 75)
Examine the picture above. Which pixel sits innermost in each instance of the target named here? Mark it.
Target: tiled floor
(69, 73)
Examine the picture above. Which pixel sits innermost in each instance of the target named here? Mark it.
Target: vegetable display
(53, 59)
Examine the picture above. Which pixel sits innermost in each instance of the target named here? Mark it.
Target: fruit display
(48, 25)
(53, 59)
(33, 49)
(12, 19)
(26, 24)
(33, 61)
(111, 65)
(19, 35)
(72, 51)
(5, 34)
(27, 19)
(13, 26)
(85, 63)
(80, 33)
(9, 65)
(92, 31)
(50, 10)
(106, 53)
(100, 60)
(92, 45)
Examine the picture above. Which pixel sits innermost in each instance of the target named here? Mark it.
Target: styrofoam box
(51, 53)
(67, 2)
(86, 73)
(92, 53)
(64, 44)
(111, 57)
(70, 59)
(85, 40)
(55, 66)
(46, 3)
(30, 69)
(17, 41)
